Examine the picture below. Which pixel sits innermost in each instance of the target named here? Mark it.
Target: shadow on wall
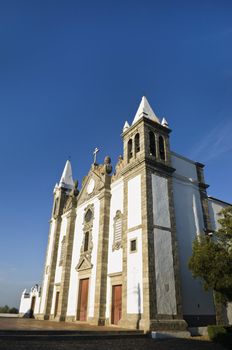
(139, 306)
(29, 314)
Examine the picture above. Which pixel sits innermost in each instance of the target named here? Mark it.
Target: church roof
(146, 111)
(66, 179)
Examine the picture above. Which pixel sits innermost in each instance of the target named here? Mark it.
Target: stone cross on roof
(95, 155)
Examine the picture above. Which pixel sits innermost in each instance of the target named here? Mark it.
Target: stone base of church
(42, 317)
(70, 318)
(135, 321)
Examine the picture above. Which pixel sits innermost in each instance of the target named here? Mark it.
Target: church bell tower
(149, 216)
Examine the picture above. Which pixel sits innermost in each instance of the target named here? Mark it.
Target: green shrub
(221, 334)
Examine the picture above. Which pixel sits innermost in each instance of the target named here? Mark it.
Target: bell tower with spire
(149, 218)
(61, 193)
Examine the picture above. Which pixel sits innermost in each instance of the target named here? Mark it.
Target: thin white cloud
(215, 143)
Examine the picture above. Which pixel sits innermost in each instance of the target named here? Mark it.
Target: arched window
(161, 148)
(129, 150)
(152, 148)
(86, 242)
(137, 143)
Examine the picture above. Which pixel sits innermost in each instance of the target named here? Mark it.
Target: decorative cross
(95, 155)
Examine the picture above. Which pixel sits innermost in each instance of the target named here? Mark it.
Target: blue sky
(72, 72)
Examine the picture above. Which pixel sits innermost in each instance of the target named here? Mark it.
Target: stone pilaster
(66, 266)
(60, 200)
(52, 269)
(204, 197)
(102, 257)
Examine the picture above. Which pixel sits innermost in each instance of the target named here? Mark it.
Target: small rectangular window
(133, 245)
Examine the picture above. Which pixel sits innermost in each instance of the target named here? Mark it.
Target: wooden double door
(116, 310)
(83, 299)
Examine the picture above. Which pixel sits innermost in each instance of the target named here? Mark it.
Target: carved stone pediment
(92, 184)
(84, 264)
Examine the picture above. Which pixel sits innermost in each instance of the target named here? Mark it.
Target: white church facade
(118, 248)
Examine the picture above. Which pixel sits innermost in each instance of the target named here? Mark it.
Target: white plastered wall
(164, 271)
(114, 257)
(189, 223)
(77, 242)
(134, 216)
(134, 259)
(134, 274)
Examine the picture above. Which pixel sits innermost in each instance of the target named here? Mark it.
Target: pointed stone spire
(66, 180)
(145, 110)
(126, 126)
(164, 122)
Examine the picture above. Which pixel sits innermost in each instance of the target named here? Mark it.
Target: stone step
(68, 335)
(170, 334)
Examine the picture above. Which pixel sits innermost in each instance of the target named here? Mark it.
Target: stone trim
(162, 228)
(102, 256)
(204, 198)
(67, 258)
(135, 228)
(86, 255)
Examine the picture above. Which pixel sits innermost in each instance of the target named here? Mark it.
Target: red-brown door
(83, 300)
(116, 313)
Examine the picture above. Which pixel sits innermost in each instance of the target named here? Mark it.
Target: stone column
(102, 257)
(66, 266)
(52, 269)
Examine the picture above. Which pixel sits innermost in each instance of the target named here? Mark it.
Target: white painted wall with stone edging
(161, 215)
(134, 274)
(134, 217)
(114, 257)
(63, 229)
(189, 223)
(165, 281)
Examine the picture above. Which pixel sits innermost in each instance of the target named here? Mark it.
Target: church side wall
(164, 271)
(189, 223)
(75, 276)
(114, 256)
(214, 208)
(47, 264)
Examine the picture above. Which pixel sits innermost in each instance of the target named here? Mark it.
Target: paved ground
(31, 324)
(87, 343)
